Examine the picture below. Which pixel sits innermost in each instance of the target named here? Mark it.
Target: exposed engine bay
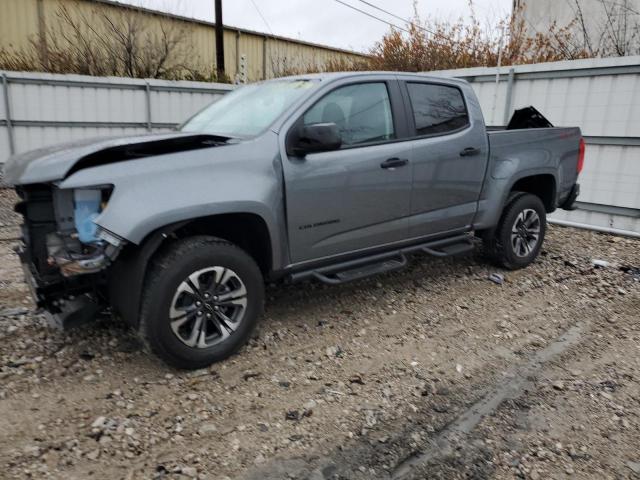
(65, 249)
(65, 253)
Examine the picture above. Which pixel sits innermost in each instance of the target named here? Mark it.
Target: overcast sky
(324, 21)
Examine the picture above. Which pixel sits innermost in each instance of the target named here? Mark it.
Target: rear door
(448, 156)
(355, 197)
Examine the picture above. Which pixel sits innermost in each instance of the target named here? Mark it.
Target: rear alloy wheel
(202, 299)
(518, 238)
(525, 233)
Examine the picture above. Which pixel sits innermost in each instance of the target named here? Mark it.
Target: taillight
(581, 156)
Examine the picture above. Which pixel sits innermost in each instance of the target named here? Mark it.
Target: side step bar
(357, 273)
(450, 250)
(351, 270)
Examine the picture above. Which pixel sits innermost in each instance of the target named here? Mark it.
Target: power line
(394, 15)
(372, 16)
(275, 45)
(262, 16)
(420, 27)
(415, 25)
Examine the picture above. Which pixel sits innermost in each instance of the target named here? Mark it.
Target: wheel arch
(543, 186)
(126, 276)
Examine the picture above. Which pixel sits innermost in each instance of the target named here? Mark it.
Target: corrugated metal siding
(4, 130)
(35, 137)
(76, 104)
(251, 47)
(19, 24)
(176, 107)
(199, 43)
(42, 105)
(602, 97)
(612, 176)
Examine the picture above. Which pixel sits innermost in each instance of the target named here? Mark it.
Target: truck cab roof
(331, 76)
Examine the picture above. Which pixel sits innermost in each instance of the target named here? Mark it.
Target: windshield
(249, 110)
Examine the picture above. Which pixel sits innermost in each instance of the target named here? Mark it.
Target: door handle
(394, 162)
(469, 152)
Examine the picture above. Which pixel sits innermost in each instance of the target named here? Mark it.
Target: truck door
(358, 195)
(449, 157)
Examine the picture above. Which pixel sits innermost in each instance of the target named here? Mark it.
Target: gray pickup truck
(331, 177)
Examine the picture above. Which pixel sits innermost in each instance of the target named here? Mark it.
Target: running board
(362, 272)
(450, 250)
(359, 268)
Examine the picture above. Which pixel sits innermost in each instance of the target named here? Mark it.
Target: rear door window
(437, 109)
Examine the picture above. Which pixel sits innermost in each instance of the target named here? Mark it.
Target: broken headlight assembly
(80, 246)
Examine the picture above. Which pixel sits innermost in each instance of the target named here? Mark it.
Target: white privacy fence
(38, 109)
(602, 97)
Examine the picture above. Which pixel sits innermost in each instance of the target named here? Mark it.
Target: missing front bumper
(63, 306)
(71, 265)
(73, 312)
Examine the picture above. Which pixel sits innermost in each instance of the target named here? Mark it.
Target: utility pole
(219, 41)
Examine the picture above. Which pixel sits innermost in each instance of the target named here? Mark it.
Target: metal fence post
(235, 74)
(264, 58)
(7, 112)
(147, 93)
(509, 98)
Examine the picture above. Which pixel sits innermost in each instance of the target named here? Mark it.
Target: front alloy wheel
(202, 299)
(208, 307)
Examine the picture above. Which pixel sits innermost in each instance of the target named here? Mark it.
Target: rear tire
(518, 238)
(201, 300)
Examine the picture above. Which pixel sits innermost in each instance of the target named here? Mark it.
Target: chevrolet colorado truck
(331, 177)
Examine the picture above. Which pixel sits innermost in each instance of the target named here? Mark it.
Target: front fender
(153, 192)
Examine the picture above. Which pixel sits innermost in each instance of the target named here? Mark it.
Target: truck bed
(536, 150)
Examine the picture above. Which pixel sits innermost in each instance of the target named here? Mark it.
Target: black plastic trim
(126, 275)
(428, 247)
(374, 269)
(570, 202)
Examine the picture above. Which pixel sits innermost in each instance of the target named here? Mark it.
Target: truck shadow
(422, 275)
(307, 305)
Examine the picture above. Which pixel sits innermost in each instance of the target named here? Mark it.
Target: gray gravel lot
(381, 378)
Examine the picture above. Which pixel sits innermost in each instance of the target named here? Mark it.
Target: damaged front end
(64, 253)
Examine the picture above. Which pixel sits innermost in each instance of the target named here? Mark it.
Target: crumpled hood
(56, 162)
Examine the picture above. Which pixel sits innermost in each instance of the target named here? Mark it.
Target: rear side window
(362, 113)
(437, 109)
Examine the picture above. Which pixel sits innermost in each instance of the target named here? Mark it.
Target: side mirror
(318, 137)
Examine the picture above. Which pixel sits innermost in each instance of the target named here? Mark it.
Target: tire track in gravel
(517, 381)
(347, 462)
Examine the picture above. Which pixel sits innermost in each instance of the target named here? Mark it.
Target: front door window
(362, 113)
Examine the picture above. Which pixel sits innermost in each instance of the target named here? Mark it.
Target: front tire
(201, 300)
(520, 234)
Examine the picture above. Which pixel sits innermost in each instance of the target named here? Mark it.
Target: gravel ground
(430, 372)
